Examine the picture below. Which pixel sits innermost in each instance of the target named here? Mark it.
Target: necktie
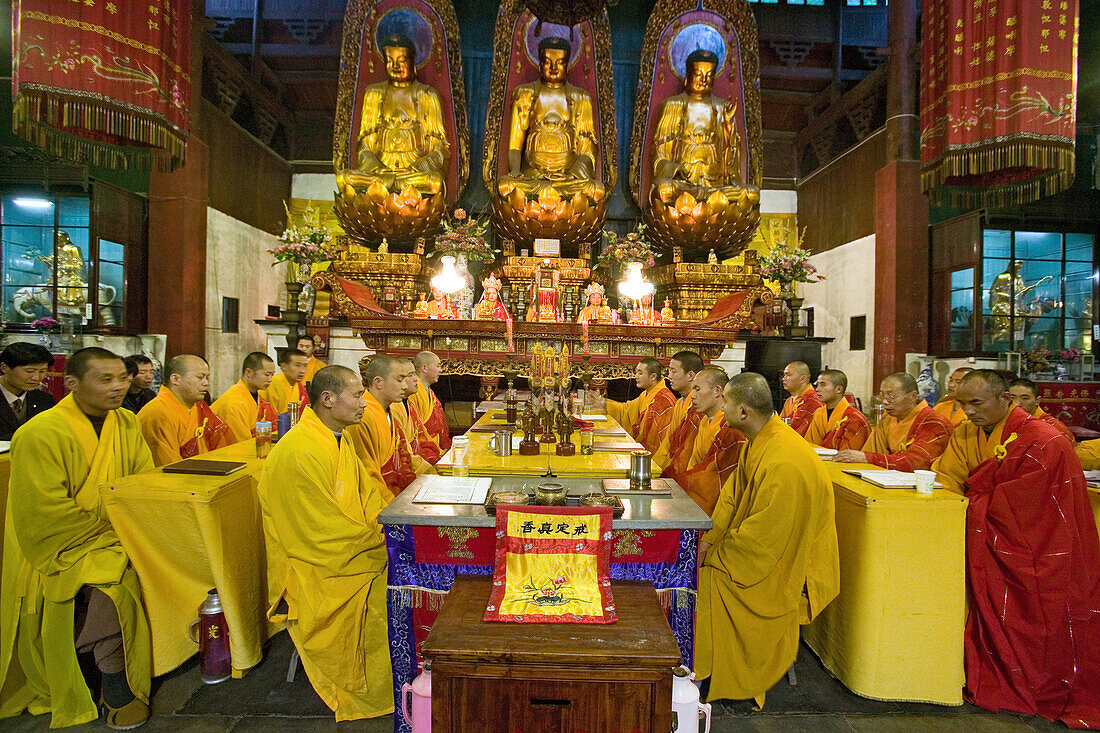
(18, 408)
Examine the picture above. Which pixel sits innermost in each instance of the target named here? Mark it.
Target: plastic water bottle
(460, 447)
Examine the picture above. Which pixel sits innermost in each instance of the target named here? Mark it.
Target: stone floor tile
(983, 723)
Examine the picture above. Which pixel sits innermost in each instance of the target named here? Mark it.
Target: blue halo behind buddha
(407, 23)
(698, 36)
(537, 31)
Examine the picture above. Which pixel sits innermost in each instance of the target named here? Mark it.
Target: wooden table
(895, 631)
(551, 677)
(429, 545)
(186, 534)
(483, 462)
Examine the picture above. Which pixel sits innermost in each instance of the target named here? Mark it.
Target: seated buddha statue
(403, 150)
(697, 161)
(643, 314)
(552, 134)
(489, 308)
(596, 308)
(441, 307)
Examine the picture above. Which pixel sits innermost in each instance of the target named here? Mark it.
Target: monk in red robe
(647, 416)
(1032, 640)
(682, 368)
(433, 437)
(798, 411)
(837, 424)
(909, 436)
(1025, 394)
(702, 465)
(949, 406)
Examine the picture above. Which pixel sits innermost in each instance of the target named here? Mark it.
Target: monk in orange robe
(378, 439)
(404, 427)
(441, 307)
(304, 344)
(837, 424)
(646, 417)
(1025, 394)
(702, 466)
(433, 437)
(1032, 640)
(949, 406)
(177, 424)
(909, 437)
(682, 369)
(241, 407)
(287, 386)
(798, 411)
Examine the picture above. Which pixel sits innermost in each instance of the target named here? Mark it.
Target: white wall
(317, 186)
(237, 266)
(849, 290)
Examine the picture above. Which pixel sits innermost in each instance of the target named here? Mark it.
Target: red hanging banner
(998, 99)
(105, 82)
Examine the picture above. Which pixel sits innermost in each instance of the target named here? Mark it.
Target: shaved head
(801, 368)
(836, 377)
(903, 381)
(690, 361)
(423, 359)
(751, 390)
(183, 365)
(652, 366)
(991, 379)
(713, 376)
(334, 379)
(380, 365)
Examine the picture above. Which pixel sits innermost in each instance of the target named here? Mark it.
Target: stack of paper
(890, 479)
(825, 452)
(453, 490)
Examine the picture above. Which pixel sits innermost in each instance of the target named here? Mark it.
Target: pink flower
(460, 214)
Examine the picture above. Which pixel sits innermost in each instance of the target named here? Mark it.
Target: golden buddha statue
(421, 309)
(596, 308)
(552, 178)
(1007, 300)
(400, 176)
(489, 308)
(72, 278)
(696, 193)
(667, 314)
(441, 307)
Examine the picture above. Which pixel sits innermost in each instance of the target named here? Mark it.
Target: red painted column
(177, 253)
(901, 266)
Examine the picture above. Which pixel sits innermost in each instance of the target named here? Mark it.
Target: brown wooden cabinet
(551, 678)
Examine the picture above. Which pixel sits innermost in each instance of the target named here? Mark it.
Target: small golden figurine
(384, 248)
(421, 309)
(666, 313)
(595, 308)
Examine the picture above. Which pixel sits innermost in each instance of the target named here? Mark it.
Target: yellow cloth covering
(239, 411)
(373, 439)
(313, 366)
(895, 631)
(683, 407)
(1089, 453)
(950, 409)
(57, 540)
(167, 426)
(281, 392)
(320, 513)
(216, 541)
(969, 446)
(773, 535)
(483, 462)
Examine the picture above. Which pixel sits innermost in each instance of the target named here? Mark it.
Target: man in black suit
(22, 369)
(140, 368)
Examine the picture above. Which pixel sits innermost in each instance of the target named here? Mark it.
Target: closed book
(204, 468)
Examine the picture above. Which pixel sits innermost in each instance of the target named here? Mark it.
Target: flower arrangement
(45, 324)
(631, 248)
(464, 235)
(789, 266)
(1036, 361)
(1071, 356)
(304, 244)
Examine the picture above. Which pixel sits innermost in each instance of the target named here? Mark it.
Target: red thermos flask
(212, 636)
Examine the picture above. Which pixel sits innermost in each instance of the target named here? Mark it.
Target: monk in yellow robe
(909, 437)
(433, 436)
(1089, 453)
(241, 407)
(798, 411)
(773, 539)
(320, 515)
(304, 344)
(1025, 394)
(287, 386)
(646, 417)
(682, 368)
(377, 438)
(948, 407)
(837, 424)
(177, 424)
(65, 574)
(404, 427)
(707, 461)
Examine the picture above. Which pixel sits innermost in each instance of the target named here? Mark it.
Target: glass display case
(1031, 289)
